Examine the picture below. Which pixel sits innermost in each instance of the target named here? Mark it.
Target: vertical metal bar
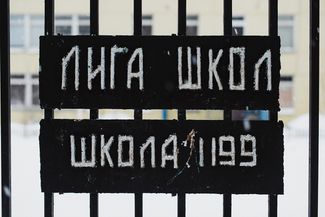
(49, 113)
(181, 197)
(273, 31)
(181, 115)
(94, 29)
(273, 17)
(273, 205)
(138, 114)
(137, 30)
(49, 30)
(94, 17)
(227, 31)
(227, 17)
(181, 205)
(93, 204)
(49, 17)
(93, 114)
(48, 205)
(137, 17)
(138, 204)
(94, 20)
(313, 108)
(181, 17)
(227, 205)
(227, 115)
(5, 109)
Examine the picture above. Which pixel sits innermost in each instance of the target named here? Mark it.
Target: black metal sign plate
(161, 156)
(152, 72)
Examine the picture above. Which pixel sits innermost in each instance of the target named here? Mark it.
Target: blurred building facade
(160, 18)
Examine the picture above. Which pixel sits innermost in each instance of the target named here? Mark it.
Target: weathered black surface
(57, 174)
(160, 73)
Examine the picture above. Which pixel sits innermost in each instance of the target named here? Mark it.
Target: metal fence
(181, 201)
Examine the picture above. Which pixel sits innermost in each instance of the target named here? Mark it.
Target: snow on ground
(27, 199)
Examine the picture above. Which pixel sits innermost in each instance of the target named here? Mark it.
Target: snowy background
(27, 199)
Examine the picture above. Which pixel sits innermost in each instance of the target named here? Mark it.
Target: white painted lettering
(122, 140)
(201, 152)
(84, 162)
(131, 74)
(213, 152)
(213, 69)
(224, 153)
(267, 57)
(164, 156)
(241, 52)
(243, 140)
(115, 50)
(65, 61)
(100, 69)
(150, 142)
(105, 148)
(188, 84)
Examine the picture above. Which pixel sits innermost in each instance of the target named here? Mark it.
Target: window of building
(147, 25)
(192, 23)
(63, 25)
(24, 91)
(238, 26)
(17, 34)
(36, 30)
(286, 94)
(83, 25)
(286, 32)
(35, 90)
(72, 25)
(25, 31)
(18, 90)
